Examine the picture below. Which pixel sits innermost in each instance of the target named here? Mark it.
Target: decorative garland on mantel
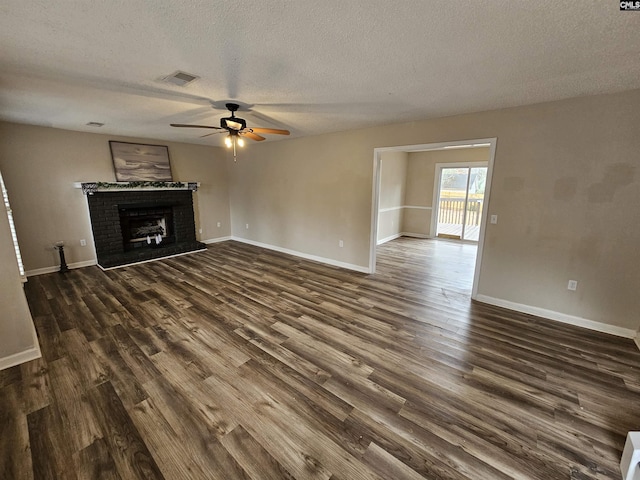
(89, 188)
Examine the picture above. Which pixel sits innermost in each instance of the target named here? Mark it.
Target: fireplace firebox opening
(146, 226)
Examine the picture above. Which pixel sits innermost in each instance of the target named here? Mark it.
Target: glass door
(460, 201)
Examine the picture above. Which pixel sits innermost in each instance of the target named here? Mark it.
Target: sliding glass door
(460, 201)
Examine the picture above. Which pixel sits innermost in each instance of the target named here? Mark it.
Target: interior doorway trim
(377, 158)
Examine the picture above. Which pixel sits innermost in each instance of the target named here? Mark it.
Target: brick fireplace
(131, 226)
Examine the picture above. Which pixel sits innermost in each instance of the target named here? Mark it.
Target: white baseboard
(403, 234)
(389, 238)
(637, 339)
(89, 263)
(328, 261)
(152, 259)
(215, 240)
(559, 317)
(42, 271)
(20, 357)
(27, 355)
(415, 235)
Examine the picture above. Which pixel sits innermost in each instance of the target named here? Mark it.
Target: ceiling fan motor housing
(233, 123)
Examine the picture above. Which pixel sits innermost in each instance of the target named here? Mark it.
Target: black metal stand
(63, 263)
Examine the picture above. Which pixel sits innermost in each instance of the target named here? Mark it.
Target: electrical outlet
(340, 243)
(494, 219)
(200, 231)
(247, 226)
(83, 243)
(219, 224)
(572, 285)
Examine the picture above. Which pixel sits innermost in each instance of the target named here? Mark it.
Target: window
(5, 197)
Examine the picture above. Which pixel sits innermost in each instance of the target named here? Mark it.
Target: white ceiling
(306, 65)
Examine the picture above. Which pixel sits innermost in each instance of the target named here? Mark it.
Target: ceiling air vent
(180, 78)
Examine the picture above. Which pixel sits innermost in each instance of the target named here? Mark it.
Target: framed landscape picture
(135, 162)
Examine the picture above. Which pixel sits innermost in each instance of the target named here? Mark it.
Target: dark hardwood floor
(241, 363)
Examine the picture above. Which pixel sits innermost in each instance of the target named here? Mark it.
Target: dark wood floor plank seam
(244, 363)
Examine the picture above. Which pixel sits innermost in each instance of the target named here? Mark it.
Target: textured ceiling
(309, 66)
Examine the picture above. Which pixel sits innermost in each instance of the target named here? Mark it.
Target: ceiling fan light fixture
(236, 128)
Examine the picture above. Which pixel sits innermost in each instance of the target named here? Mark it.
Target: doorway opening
(411, 210)
(459, 200)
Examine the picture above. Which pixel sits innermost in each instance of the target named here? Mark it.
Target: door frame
(375, 201)
(436, 194)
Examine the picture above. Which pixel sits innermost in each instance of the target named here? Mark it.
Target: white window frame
(12, 227)
(436, 192)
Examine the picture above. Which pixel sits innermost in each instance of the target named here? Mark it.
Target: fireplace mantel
(88, 188)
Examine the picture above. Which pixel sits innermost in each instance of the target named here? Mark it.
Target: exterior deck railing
(451, 210)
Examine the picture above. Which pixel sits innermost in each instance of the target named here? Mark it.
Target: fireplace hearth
(136, 226)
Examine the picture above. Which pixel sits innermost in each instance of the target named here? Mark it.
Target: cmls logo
(629, 6)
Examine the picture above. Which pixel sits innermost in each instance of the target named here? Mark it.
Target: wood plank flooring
(241, 363)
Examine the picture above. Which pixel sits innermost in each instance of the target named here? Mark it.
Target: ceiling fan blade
(194, 126)
(209, 134)
(252, 136)
(275, 131)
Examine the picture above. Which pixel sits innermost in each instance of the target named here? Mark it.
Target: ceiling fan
(236, 128)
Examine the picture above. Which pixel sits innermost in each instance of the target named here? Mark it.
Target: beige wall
(41, 164)
(16, 327)
(566, 188)
(393, 178)
(305, 194)
(421, 171)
